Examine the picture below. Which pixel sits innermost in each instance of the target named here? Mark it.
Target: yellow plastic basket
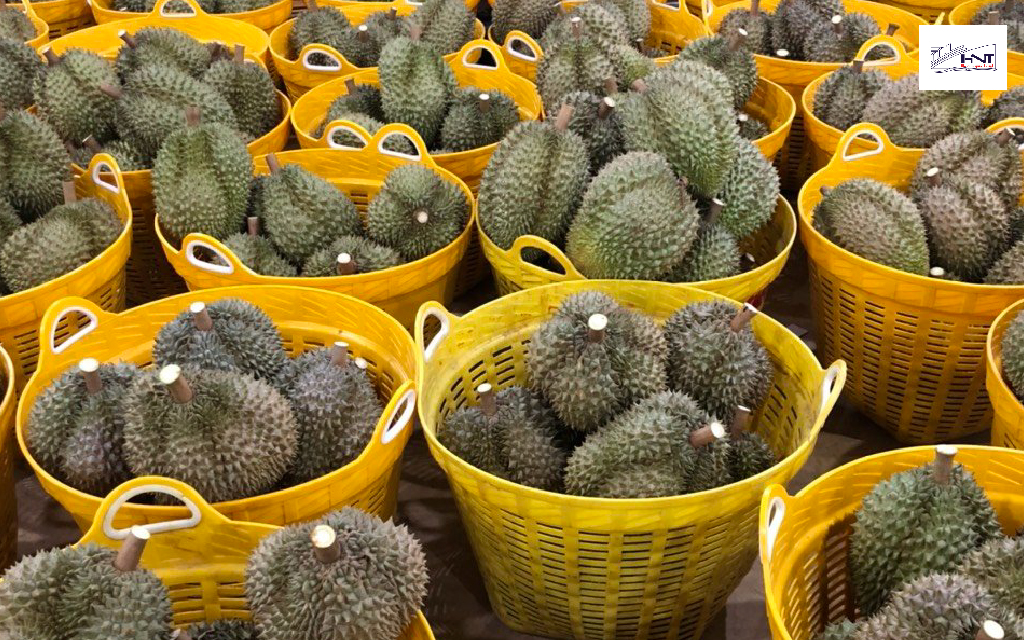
(306, 318)
(824, 138)
(915, 345)
(570, 567)
(42, 30)
(201, 559)
(964, 12)
(300, 75)
(266, 18)
(63, 16)
(804, 538)
(101, 280)
(1007, 411)
(8, 501)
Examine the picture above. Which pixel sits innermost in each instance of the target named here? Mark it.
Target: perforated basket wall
(915, 345)
(804, 538)
(570, 567)
(1007, 410)
(101, 280)
(266, 18)
(305, 318)
(63, 16)
(965, 11)
(202, 560)
(8, 501)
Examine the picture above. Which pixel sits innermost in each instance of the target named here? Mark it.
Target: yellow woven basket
(266, 18)
(8, 501)
(804, 538)
(63, 16)
(101, 280)
(300, 75)
(571, 567)
(42, 30)
(915, 345)
(306, 318)
(824, 138)
(964, 12)
(201, 559)
(1007, 410)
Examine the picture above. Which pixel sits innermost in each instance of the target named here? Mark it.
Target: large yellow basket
(266, 18)
(306, 318)
(571, 567)
(915, 345)
(1007, 410)
(962, 15)
(63, 16)
(101, 280)
(8, 501)
(824, 138)
(804, 538)
(301, 74)
(201, 559)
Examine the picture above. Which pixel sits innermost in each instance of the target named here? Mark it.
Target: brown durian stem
(564, 115)
(177, 386)
(326, 548)
(737, 39)
(193, 116)
(393, 13)
(611, 86)
(858, 66)
(111, 90)
(990, 630)
(89, 368)
(715, 210)
(52, 59)
(605, 108)
(415, 31)
(1004, 136)
(91, 144)
(273, 164)
(576, 24)
(350, 86)
(638, 85)
(130, 553)
(362, 33)
(755, 6)
(944, 454)
(993, 17)
(782, 53)
(239, 53)
(346, 265)
(128, 39)
(252, 226)
(200, 316)
(837, 25)
(742, 318)
(933, 177)
(706, 435)
(339, 354)
(70, 197)
(740, 422)
(891, 29)
(483, 101)
(596, 326)
(488, 403)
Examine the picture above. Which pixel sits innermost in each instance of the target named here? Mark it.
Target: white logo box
(962, 57)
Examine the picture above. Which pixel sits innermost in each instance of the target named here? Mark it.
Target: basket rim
(993, 352)
(103, 8)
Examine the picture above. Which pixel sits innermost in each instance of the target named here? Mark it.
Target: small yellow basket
(201, 559)
(804, 538)
(306, 318)
(571, 567)
(962, 15)
(8, 501)
(63, 16)
(301, 74)
(42, 30)
(101, 280)
(915, 345)
(1007, 410)
(266, 18)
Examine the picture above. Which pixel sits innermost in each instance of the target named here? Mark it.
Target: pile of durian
(177, 6)
(222, 408)
(928, 560)
(676, 191)
(911, 117)
(346, 576)
(15, 25)
(620, 407)
(1012, 350)
(960, 221)
(1009, 13)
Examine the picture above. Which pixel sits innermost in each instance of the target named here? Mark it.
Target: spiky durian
(416, 86)
(749, 454)
(876, 222)
(347, 255)
(239, 6)
(596, 121)
(1008, 104)
(630, 65)
(127, 157)
(603, 24)
(636, 221)
(637, 17)
(360, 98)
(258, 253)
(998, 566)
(594, 358)
(227, 335)
(70, 97)
(842, 630)
(529, 16)
(174, 419)
(755, 24)
(512, 434)
(385, 26)
(749, 192)
(445, 25)
(843, 94)
(303, 212)
(576, 63)
(714, 254)
(477, 118)
(15, 25)
(976, 157)
(19, 67)
(35, 164)
(1009, 268)
(839, 39)
(915, 118)
(249, 90)
(417, 212)
(794, 20)
(163, 47)
(224, 629)
(914, 523)
(751, 128)
(9, 221)
(1012, 348)
(360, 578)
(75, 428)
(319, 25)
(729, 56)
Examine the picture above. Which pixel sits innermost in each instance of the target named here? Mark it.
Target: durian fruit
(249, 90)
(9, 221)
(728, 55)
(416, 85)
(19, 67)
(223, 629)
(383, 27)
(714, 254)
(915, 118)
(1008, 104)
(842, 630)
(346, 575)
(445, 25)
(239, 6)
(1009, 268)
(715, 358)
(842, 96)
(258, 253)
(976, 157)
(998, 565)
(359, 98)
(794, 20)
(751, 128)
(636, 221)
(86, 591)
(839, 39)
(303, 212)
(753, 26)
(533, 182)
(163, 47)
(597, 122)
(749, 454)
(347, 255)
(1012, 348)
(574, 62)
(594, 358)
(637, 17)
(319, 25)
(201, 181)
(35, 163)
(529, 16)
(512, 434)
(749, 192)
(630, 65)
(603, 24)
(126, 156)
(228, 335)
(477, 118)
(876, 222)
(174, 421)
(15, 25)
(75, 428)
(915, 523)
(69, 95)
(650, 450)
(336, 410)
(417, 212)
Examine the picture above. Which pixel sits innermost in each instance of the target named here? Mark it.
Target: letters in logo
(959, 57)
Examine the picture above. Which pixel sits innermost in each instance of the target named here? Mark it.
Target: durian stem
(52, 59)
(605, 108)
(715, 210)
(421, 216)
(177, 386)
(239, 53)
(991, 630)
(415, 31)
(89, 368)
(128, 39)
(837, 25)
(993, 17)
(252, 225)
(346, 265)
(69, 192)
(339, 354)
(200, 316)
(576, 24)
(638, 85)
(564, 115)
(362, 33)
(488, 404)
(393, 13)
(706, 435)
(484, 102)
(858, 66)
(192, 116)
(325, 544)
(130, 553)
(111, 90)
(611, 86)
(944, 455)
(737, 39)
(596, 325)
(755, 6)
(1004, 136)
(91, 144)
(891, 29)
(934, 179)
(350, 86)
(740, 422)
(742, 317)
(273, 164)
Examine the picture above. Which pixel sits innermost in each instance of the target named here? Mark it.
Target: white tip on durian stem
(706, 435)
(742, 117)
(782, 53)
(737, 39)
(944, 454)
(991, 630)
(69, 192)
(564, 115)
(891, 29)
(239, 53)
(325, 544)
(742, 317)
(576, 24)
(346, 265)
(487, 400)
(361, 363)
(89, 368)
(484, 102)
(91, 144)
(339, 354)
(393, 13)
(252, 225)
(937, 272)
(596, 325)
(611, 86)
(52, 59)
(748, 260)
(363, 33)
(130, 553)
(715, 210)
(170, 376)
(837, 25)
(200, 316)
(740, 422)
(192, 116)
(421, 216)
(858, 66)
(934, 179)
(605, 108)
(993, 17)
(273, 164)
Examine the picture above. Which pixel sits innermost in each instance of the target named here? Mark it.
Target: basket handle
(773, 511)
(195, 241)
(29, 11)
(399, 412)
(832, 384)
(523, 38)
(197, 507)
(197, 11)
(328, 52)
(103, 162)
(432, 309)
(942, 16)
(478, 45)
(396, 129)
(1008, 123)
(327, 139)
(872, 131)
(515, 255)
(899, 58)
(56, 314)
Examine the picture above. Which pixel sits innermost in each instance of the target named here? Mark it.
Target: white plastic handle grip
(513, 40)
(496, 55)
(331, 143)
(827, 383)
(309, 66)
(847, 156)
(100, 182)
(86, 330)
(156, 527)
(442, 333)
(418, 157)
(190, 255)
(401, 418)
(776, 511)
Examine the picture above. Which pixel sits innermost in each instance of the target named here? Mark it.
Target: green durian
(751, 128)
(320, 25)
(15, 25)
(840, 39)
(915, 118)
(416, 86)
(35, 164)
(1008, 104)
(174, 419)
(445, 25)
(165, 48)
(630, 65)
(70, 95)
(749, 454)
(729, 56)
(258, 253)
(1009, 268)
(714, 254)
(347, 574)
(755, 23)
(576, 63)
(636, 221)
(223, 629)
(360, 98)
(749, 193)
(597, 122)
(841, 97)
(794, 20)
(249, 91)
(477, 118)
(975, 157)
(998, 565)
(383, 27)
(19, 68)
(603, 24)
(593, 358)
(240, 6)
(529, 16)
(1012, 348)
(201, 182)
(228, 335)
(126, 156)
(637, 16)
(417, 212)
(915, 523)
(842, 630)
(9, 221)
(347, 255)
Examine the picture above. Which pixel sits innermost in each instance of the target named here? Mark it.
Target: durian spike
(706, 435)
(181, 634)
(934, 179)
(737, 39)
(339, 354)
(128, 39)
(111, 90)
(576, 24)
(192, 116)
(362, 33)
(350, 86)
(837, 25)
(52, 59)
(488, 404)
(605, 108)
(89, 368)
(991, 630)
(944, 454)
(273, 164)
(1004, 136)
(69, 192)
(91, 144)
(421, 216)
(638, 85)
(596, 325)
(252, 225)
(239, 53)
(130, 553)
(415, 31)
(564, 115)
(740, 422)
(742, 317)
(326, 548)
(484, 102)
(755, 6)
(170, 376)
(858, 66)
(346, 265)
(993, 17)
(891, 29)
(715, 210)
(200, 316)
